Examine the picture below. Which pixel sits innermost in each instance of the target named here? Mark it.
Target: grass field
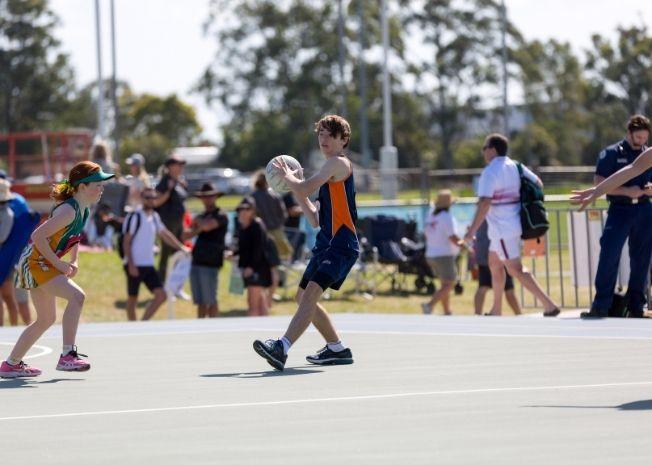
(103, 279)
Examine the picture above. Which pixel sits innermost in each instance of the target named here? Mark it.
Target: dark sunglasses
(485, 147)
(150, 197)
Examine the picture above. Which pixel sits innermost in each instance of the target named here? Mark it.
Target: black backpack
(534, 219)
(121, 236)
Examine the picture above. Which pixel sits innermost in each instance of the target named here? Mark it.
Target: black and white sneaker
(272, 351)
(326, 356)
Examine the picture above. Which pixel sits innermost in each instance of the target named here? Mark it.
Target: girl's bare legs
(68, 290)
(46, 315)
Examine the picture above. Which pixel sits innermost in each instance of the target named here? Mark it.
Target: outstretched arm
(585, 197)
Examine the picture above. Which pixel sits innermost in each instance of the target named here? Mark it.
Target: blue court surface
(423, 390)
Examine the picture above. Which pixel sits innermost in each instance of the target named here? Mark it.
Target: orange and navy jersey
(337, 216)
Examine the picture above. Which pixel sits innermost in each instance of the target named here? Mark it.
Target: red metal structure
(35, 159)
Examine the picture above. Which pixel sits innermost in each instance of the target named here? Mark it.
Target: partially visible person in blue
(629, 216)
(17, 222)
(336, 248)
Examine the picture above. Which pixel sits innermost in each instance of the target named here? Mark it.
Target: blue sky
(161, 48)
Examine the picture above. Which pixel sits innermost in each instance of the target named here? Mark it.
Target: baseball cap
(135, 159)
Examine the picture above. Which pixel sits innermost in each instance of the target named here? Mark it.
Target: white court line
(364, 331)
(43, 350)
(324, 399)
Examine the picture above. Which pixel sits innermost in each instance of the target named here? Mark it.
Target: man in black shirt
(170, 205)
(208, 253)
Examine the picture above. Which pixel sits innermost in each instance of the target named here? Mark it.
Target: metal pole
(387, 100)
(362, 71)
(574, 244)
(340, 34)
(559, 251)
(114, 86)
(588, 242)
(503, 18)
(100, 84)
(388, 153)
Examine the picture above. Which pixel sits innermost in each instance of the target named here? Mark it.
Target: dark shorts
(484, 278)
(329, 268)
(147, 275)
(262, 278)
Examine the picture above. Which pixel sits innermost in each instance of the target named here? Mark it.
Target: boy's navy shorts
(329, 268)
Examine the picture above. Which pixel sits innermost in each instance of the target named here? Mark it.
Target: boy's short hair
(336, 127)
(638, 123)
(498, 142)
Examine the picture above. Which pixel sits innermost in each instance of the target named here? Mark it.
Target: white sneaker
(183, 296)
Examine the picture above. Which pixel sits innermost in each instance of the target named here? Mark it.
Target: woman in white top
(442, 248)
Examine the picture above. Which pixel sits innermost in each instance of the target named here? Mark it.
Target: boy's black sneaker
(272, 351)
(326, 356)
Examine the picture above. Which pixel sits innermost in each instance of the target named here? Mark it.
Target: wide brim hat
(245, 203)
(207, 190)
(444, 199)
(174, 159)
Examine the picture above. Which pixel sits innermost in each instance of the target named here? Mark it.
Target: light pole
(114, 84)
(362, 76)
(100, 83)
(503, 20)
(388, 153)
(340, 33)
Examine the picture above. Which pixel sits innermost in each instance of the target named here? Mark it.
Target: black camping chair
(391, 244)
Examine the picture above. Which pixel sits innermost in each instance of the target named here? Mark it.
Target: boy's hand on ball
(280, 164)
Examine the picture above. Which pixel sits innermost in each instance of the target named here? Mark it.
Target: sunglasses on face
(149, 197)
(485, 147)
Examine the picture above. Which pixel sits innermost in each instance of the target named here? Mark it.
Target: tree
(463, 38)
(277, 71)
(155, 125)
(35, 79)
(555, 97)
(624, 68)
(620, 83)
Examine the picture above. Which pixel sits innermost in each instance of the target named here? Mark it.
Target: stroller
(392, 245)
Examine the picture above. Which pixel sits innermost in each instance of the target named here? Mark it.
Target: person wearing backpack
(500, 202)
(139, 232)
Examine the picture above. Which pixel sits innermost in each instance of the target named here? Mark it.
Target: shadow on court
(637, 405)
(265, 374)
(31, 383)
